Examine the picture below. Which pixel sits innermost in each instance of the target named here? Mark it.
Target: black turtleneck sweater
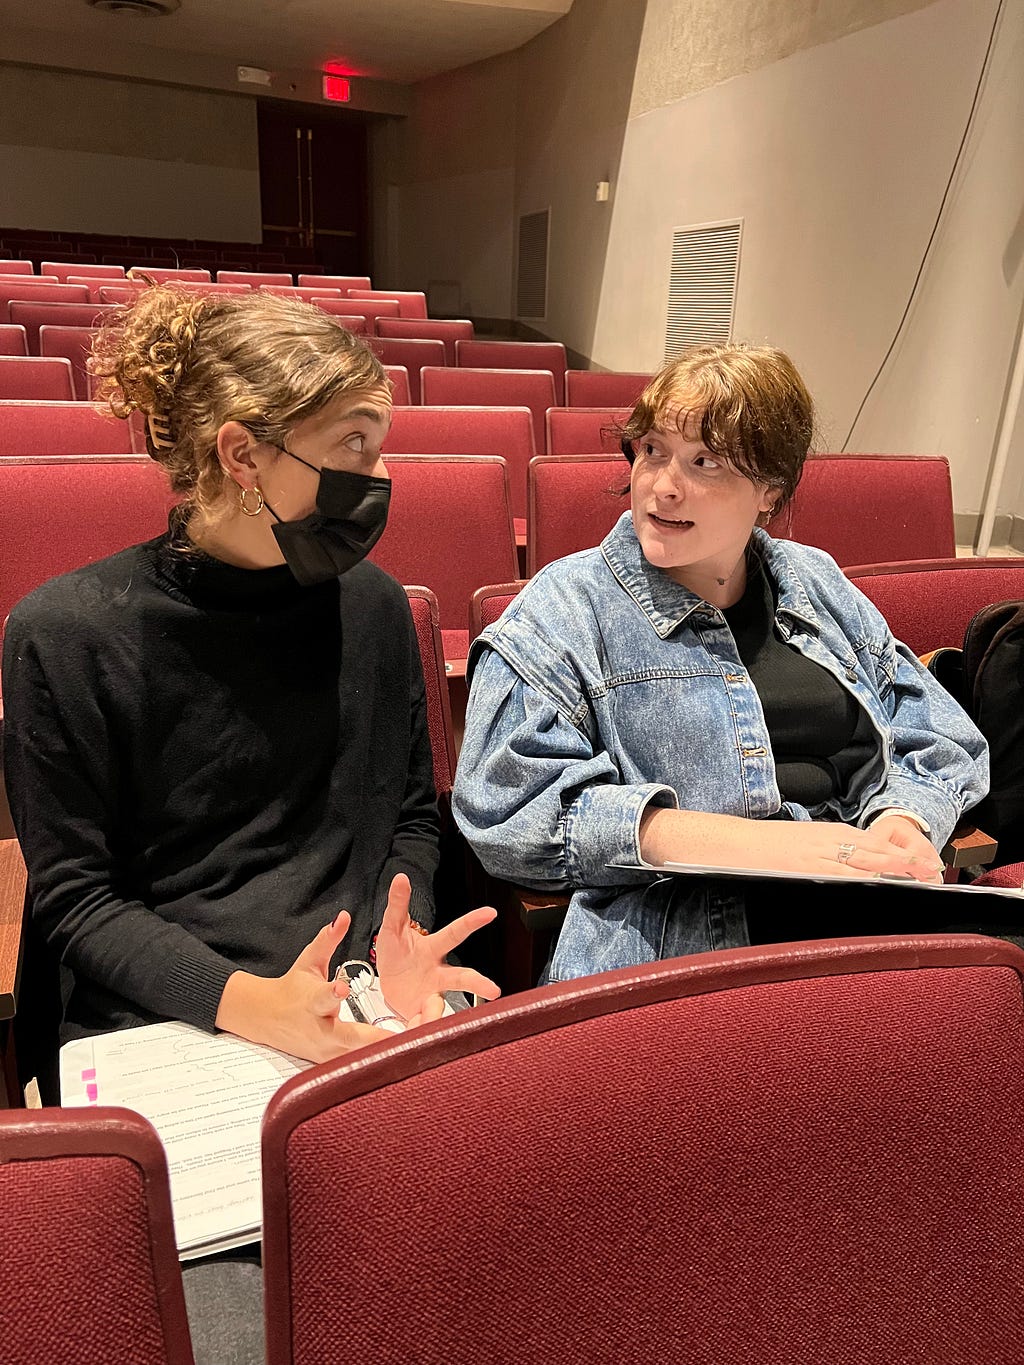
(204, 765)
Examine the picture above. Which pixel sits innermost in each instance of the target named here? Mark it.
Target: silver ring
(846, 852)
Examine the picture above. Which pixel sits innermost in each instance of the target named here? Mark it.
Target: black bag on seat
(987, 678)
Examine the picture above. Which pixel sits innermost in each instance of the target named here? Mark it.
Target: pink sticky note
(92, 1092)
(89, 1075)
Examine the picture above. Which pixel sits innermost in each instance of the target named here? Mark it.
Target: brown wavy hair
(194, 362)
(749, 404)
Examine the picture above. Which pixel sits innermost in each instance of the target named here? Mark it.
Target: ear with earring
(243, 494)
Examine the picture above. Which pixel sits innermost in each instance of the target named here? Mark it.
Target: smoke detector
(143, 9)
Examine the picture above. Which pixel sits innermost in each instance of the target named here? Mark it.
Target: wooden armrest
(540, 911)
(12, 910)
(969, 847)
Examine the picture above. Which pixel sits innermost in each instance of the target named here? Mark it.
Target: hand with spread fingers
(297, 1012)
(412, 965)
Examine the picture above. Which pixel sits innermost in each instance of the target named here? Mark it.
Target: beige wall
(444, 188)
(689, 45)
(535, 129)
(830, 129)
(836, 159)
(575, 81)
(95, 154)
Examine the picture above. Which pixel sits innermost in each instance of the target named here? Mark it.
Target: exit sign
(337, 89)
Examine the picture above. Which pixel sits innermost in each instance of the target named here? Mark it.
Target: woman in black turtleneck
(215, 743)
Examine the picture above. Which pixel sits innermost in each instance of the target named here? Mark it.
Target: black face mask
(351, 513)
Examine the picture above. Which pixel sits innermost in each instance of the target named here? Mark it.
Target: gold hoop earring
(250, 511)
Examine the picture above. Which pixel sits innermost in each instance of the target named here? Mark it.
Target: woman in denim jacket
(694, 691)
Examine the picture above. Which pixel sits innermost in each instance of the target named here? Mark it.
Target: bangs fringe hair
(748, 404)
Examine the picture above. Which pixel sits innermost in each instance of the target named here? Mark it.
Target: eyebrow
(371, 414)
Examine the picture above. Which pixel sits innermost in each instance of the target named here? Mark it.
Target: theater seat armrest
(539, 910)
(969, 847)
(12, 908)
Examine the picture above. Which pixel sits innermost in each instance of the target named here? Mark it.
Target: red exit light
(337, 89)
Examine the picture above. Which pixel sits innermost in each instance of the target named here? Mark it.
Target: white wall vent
(532, 272)
(702, 286)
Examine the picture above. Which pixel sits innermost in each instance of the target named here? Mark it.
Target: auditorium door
(313, 183)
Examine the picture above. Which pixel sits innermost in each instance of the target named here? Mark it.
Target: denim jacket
(606, 686)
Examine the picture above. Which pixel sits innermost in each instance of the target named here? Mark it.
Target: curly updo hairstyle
(748, 404)
(192, 362)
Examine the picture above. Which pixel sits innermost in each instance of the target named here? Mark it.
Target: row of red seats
(33, 428)
(59, 374)
(808, 1198)
(417, 343)
(36, 250)
(368, 303)
(451, 524)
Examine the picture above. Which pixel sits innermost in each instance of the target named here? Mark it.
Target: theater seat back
(60, 514)
(804, 1154)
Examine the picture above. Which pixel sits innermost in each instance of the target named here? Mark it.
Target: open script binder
(954, 888)
(205, 1095)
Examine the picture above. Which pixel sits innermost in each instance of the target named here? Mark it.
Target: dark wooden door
(314, 184)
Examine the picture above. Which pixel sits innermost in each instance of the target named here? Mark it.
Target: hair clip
(159, 425)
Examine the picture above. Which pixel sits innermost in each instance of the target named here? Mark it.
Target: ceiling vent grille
(532, 275)
(702, 286)
(143, 9)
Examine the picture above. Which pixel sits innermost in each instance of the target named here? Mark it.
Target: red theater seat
(429, 329)
(167, 274)
(17, 268)
(597, 389)
(30, 377)
(39, 293)
(401, 394)
(866, 509)
(306, 295)
(414, 355)
(91, 1270)
(427, 622)
(573, 501)
(32, 316)
(929, 603)
(359, 327)
(342, 282)
(507, 432)
(74, 344)
(58, 514)
(802, 1153)
(97, 284)
(364, 308)
(13, 339)
(533, 389)
(412, 304)
(450, 529)
(26, 279)
(488, 602)
(127, 291)
(254, 278)
(65, 269)
(37, 428)
(584, 431)
(515, 355)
